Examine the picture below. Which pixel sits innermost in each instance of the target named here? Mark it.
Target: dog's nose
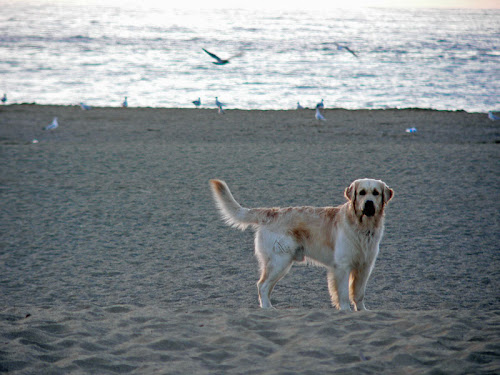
(369, 209)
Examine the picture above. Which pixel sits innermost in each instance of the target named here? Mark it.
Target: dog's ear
(388, 193)
(350, 191)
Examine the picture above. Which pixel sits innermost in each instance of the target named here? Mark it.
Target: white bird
(217, 103)
(53, 125)
(341, 47)
(220, 61)
(85, 107)
(197, 103)
(125, 103)
(299, 106)
(320, 104)
(4, 98)
(492, 117)
(319, 116)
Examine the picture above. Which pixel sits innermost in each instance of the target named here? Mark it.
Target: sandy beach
(113, 258)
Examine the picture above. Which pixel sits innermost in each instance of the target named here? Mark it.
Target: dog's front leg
(359, 279)
(338, 285)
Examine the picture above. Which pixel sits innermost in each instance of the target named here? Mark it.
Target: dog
(344, 239)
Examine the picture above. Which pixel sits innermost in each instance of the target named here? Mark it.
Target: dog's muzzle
(369, 209)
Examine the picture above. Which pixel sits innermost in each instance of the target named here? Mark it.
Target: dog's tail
(234, 215)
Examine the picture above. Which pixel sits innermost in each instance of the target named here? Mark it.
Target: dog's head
(368, 197)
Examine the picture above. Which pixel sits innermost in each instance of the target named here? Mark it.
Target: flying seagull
(197, 103)
(52, 125)
(492, 117)
(319, 116)
(125, 103)
(220, 61)
(341, 47)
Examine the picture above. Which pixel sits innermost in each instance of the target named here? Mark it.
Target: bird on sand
(220, 61)
(125, 103)
(341, 47)
(492, 117)
(197, 102)
(321, 104)
(299, 106)
(319, 116)
(85, 107)
(217, 103)
(4, 98)
(53, 125)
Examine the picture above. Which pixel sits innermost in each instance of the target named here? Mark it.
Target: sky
(301, 4)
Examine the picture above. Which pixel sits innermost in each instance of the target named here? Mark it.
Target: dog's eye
(375, 192)
(362, 192)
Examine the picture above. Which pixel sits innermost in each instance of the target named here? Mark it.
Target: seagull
(52, 125)
(320, 104)
(125, 103)
(319, 116)
(197, 103)
(217, 103)
(4, 98)
(219, 60)
(299, 106)
(85, 107)
(341, 47)
(492, 117)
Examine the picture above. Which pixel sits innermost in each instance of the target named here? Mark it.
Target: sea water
(65, 53)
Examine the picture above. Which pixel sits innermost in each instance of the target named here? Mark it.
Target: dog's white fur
(344, 239)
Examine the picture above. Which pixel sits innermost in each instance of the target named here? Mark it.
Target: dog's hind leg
(275, 262)
(272, 272)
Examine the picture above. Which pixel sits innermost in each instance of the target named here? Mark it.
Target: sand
(113, 258)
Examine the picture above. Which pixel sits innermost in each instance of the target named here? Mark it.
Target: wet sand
(113, 258)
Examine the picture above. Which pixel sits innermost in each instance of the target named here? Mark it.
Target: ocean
(64, 53)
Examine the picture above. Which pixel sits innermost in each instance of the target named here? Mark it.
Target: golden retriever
(344, 239)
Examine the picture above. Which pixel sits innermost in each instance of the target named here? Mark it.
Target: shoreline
(249, 110)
